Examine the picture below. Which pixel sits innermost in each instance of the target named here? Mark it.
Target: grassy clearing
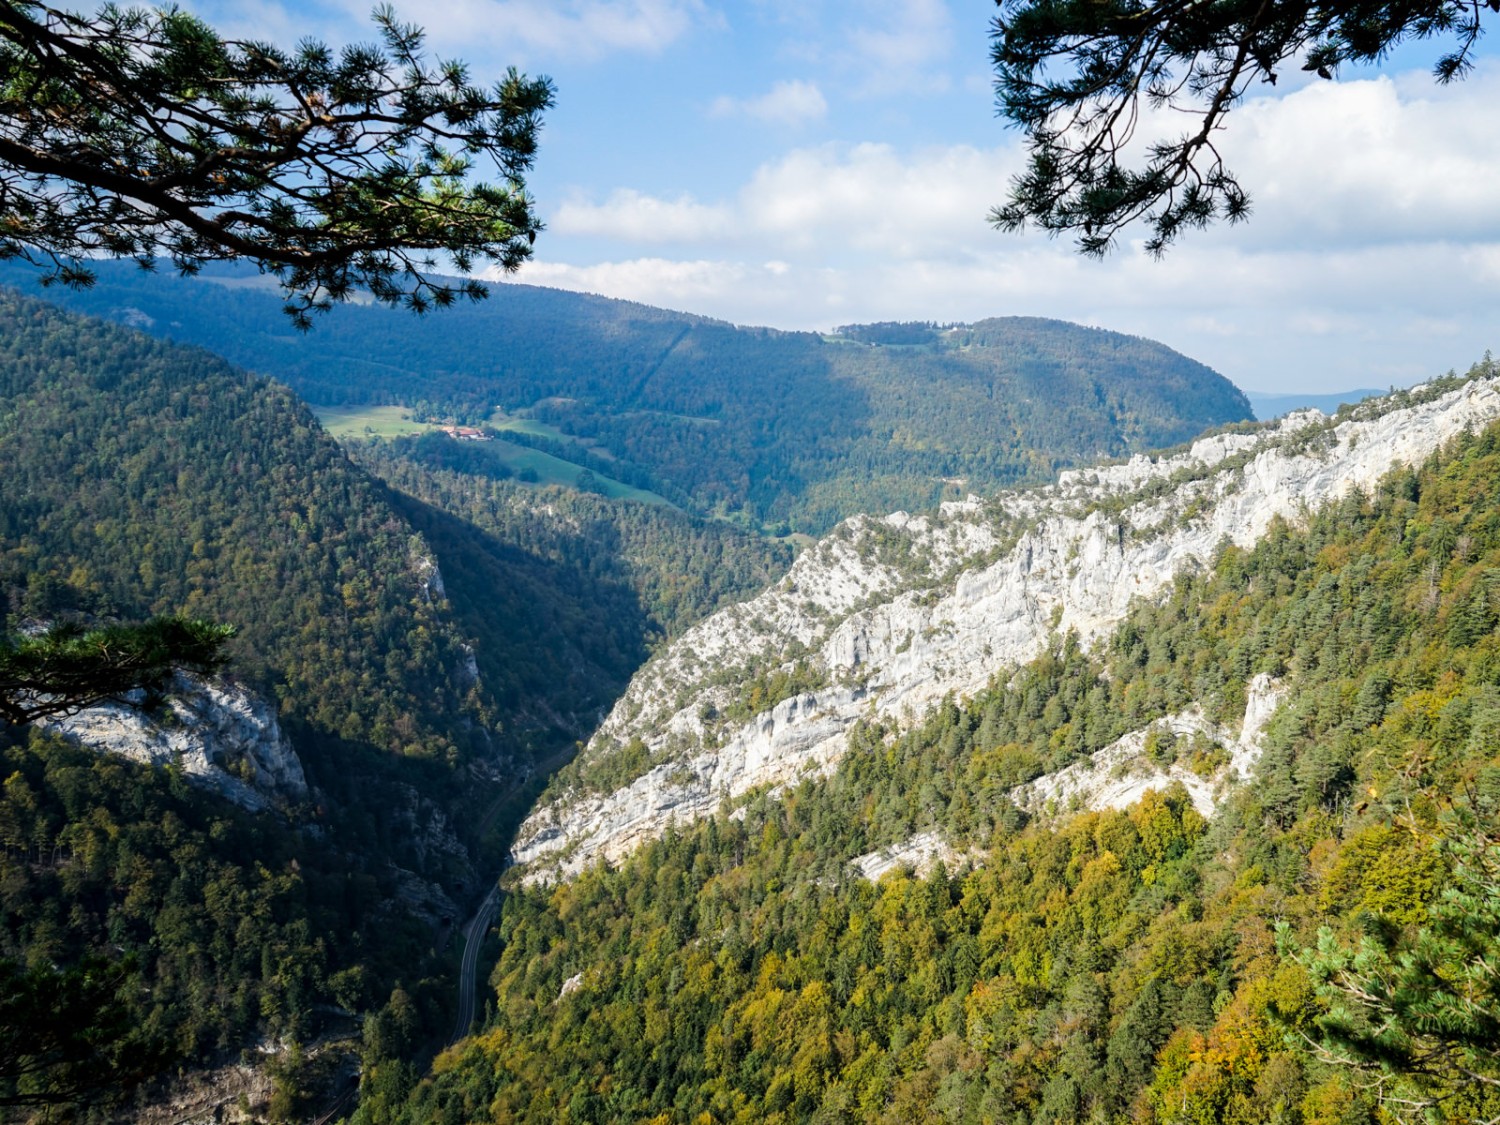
(502, 421)
(554, 470)
(369, 421)
(690, 419)
(396, 421)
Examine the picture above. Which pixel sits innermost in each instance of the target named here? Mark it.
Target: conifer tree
(1077, 76)
(142, 133)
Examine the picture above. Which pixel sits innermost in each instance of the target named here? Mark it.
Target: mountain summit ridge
(886, 617)
(779, 430)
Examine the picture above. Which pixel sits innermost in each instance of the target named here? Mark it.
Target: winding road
(468, 969)
(479, 925)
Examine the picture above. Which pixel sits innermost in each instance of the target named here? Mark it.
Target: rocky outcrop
(1187, 749)
(887, 616)
(920, 855)
(1208, 760)
(222, 736)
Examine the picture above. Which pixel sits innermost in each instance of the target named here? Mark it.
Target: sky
(805, 164)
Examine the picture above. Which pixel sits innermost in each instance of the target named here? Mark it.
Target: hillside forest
(428, 624)
(419, 661)
(781, 431)
(1321, 950)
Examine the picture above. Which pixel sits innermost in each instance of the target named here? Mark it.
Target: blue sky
(804, 165)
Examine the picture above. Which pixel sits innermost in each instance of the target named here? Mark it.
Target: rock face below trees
(1208, 759)
(886, 617)
(220, 735)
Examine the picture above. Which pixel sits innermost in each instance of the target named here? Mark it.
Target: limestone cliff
(222, 736)
(1120, 774)
(887, 616)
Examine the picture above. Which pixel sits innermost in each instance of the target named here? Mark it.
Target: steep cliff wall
(887, 616)
(220, 735)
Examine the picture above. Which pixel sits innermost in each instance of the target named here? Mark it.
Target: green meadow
(369, 421)
(531, 466)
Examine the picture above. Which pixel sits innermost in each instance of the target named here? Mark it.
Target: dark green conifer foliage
(139, 133)
(68, 1037)
(1079, 76)
(67, 667)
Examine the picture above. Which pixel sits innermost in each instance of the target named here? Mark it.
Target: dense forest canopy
(785, 430)
(151, 479)
(146, 479)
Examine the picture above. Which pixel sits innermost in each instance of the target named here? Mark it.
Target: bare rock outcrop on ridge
(222, 736)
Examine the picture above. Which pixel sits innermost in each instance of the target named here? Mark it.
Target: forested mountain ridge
(1319, 951)
(145, 478)
(889, 616)
(421, 640)
(783, 430)
(166, 924)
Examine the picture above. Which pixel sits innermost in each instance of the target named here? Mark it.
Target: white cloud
(632, 216)
(1373, 257)
(1484, 261)
(585, 29)
(870, 198)
(878, 48)
(510, 29)
(830, 200)
(901, 48)
(689, 286)
(1358, 162)
(787, 103)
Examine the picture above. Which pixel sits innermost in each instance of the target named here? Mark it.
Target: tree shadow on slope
(553, 643)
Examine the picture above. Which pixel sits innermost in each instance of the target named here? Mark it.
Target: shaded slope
(138, 477)
(144, 478)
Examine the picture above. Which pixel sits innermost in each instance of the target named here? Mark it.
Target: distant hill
(1267, 407)
(784, 430)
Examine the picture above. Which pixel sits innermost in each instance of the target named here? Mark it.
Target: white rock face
(1116, 777)
(425, 568)
(1120, 774)
(223, 737)
(921, 853)
(894, 614)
